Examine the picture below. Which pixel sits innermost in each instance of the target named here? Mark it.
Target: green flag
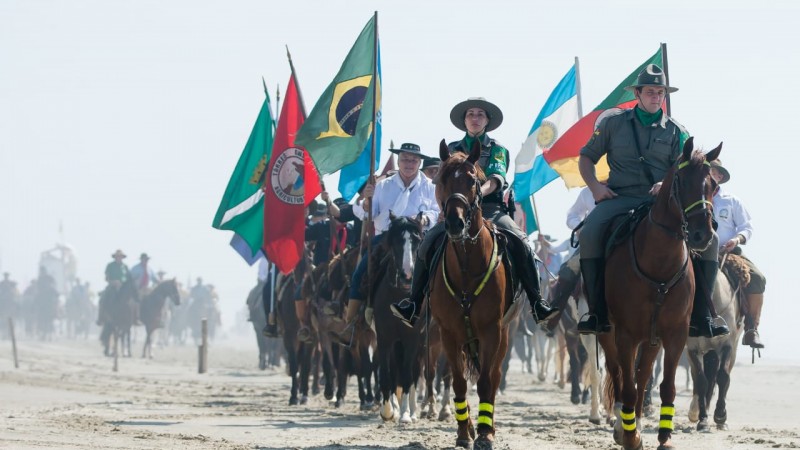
(242, 206)
(338, 127)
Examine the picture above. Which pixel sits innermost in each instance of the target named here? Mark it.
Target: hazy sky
(124, 120)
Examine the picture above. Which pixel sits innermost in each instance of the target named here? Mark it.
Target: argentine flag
(531, 171)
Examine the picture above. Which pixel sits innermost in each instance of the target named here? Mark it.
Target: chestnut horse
(649, 292)
(470, 294)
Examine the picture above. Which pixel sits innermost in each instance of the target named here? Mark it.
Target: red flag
(293, 182)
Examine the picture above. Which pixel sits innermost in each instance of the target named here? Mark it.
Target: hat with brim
(652, 75)
(119, 253)
(430, 162)
(493, 113)
(319, 210)
(144, 256)
(726, 176)
(410, 148)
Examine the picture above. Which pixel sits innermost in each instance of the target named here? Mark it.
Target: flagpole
(666, 75)
(375, 80)
(578, 87)
(536, 215)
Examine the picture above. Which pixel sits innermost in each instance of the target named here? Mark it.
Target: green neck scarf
(647, 118)
(469, 140)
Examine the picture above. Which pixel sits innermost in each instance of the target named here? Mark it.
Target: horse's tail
(472, 369)
(608, 389)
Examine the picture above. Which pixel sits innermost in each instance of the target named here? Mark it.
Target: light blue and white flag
(531, 171)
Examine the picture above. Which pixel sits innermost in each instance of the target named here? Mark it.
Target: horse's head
(402, 240)
(458, 190)
(172, 291)
(693, 189)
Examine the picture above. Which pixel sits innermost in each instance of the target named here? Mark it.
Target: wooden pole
(116, 352)
(13, 341)
(203, 349)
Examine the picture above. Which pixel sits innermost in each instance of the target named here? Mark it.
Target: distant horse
(470, 293)
(269, 353)
(398, 345)
(79, 311)
(119, 317)
(712, 359)
(47, 307)
(298, 354)
(649, 290)
(152, 310)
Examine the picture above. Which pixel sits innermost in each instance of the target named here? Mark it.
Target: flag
(355, 174)
(563, 156)
(558, 114)
(293, 183)
(341, 122)
(242, 206)
(243, 249)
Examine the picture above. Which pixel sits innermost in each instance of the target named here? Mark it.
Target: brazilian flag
(336, 131)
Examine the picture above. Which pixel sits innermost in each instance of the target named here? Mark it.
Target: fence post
(13, 341)
(203, 349)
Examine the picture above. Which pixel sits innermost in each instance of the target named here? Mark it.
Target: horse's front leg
(631, 439)
(672, 355)
(644, 374)
(493, 345)
(724, 382)
(466, 430)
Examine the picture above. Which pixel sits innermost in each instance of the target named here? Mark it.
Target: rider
(407, 193)
(143, 275)
(476, 117)
(734, 230)
(318, 232)
(116, 274)
(430, 166)
(641, 144)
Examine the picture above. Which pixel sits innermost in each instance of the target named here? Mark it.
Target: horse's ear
(419, 217)
(391, 216)
(688, 148)
(475, 153)
(714, 154)
(444, 152)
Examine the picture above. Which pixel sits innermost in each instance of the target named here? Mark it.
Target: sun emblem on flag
(548, 133)
(286, 177)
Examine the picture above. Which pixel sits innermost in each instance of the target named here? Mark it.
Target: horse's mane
(453, 163)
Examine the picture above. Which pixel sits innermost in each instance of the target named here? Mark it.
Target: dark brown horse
(119, 311)
(649, 292)
(470, 295)
(152, 311)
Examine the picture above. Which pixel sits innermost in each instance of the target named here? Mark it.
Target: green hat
(459, 113)
(652, 75)
(726, 176)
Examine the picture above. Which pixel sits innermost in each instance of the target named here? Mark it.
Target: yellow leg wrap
(628, 420)
(667, 413)
(485, 420)
(486, 414)
(488, 407)
(462, 410)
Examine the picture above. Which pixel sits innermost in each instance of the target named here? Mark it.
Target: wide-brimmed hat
(408, 148)
(340, 202)
(429, 162)
(726, 176)
(144, 256)
(652, 75)
(459, 112)
(319, 210)
(118, 253)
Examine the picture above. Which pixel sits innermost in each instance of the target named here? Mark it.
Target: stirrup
(591, 325)
(405, 310)
(345, 337)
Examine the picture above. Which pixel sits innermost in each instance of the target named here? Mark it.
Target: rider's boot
(567, 280)
(752, 319)
(271, 328)
(345, 337)
(525, 267)
(407, 309)
(594, 274)
(300, 309)
(702, 321)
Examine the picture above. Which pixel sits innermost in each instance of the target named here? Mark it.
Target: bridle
(472, 209)
(701, 206)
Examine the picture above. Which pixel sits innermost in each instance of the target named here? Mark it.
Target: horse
(649, 287)
(119, 317)
(151, 311)
(470, 294)
(79, 311)
(712, 359)
(398, 345)
(298, 354)
(47, 308)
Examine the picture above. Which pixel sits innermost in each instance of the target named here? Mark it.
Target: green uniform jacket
(494, 162)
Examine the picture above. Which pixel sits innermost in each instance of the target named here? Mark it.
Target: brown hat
(726, 176)
(119, 253)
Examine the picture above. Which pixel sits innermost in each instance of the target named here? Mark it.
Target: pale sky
(125, 120)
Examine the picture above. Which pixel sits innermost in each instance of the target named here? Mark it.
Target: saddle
(622, 226)
(738, 273)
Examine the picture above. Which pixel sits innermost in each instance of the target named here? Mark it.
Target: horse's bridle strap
(492, 266)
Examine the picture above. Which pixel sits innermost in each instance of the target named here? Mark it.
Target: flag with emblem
(558, 114)
(242, 205)
(563, 155)
(292, 182)
(340, 124)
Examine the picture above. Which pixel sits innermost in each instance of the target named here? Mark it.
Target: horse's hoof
(702, 426)
(328, 395)
(720, 417)
(618, 435)
(445, 414)
(338, 403)
(406, 418)
(464, 443)
(722, 427)
(365, 406)
(292, 401)
(483, 443)
(666, 446)
(595, 421)
(315, 390)
(585, 397)
(575, 398)
(304, 400)
(542, 377)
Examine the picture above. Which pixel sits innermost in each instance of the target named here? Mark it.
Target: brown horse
(470, 294)
(649, 292)
(152, 310)
(119, 317)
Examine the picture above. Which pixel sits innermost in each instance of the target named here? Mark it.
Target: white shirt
(731, 216)
(583, 205)
(421, 198)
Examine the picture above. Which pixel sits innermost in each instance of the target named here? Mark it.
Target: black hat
(319, 210)
(652, 75)
(726, 176)
(340, 201)
(431, 162)
(459, 113)
(408, 148)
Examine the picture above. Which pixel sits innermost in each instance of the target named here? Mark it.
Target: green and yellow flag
(338, 127)
(242, 205)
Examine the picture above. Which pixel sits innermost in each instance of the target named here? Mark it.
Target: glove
(369, 314)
